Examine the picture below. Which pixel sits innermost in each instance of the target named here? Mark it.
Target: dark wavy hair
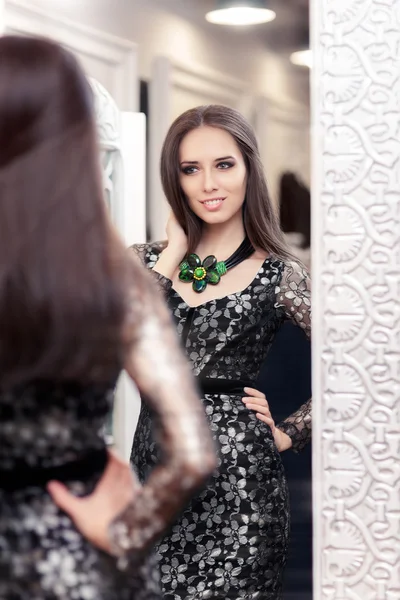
(63, 269)
(260, 220)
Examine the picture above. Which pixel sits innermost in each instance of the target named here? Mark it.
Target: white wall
(234, 52)
(284, 119)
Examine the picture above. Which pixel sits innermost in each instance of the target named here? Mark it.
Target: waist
(211, 385)
(22, 475)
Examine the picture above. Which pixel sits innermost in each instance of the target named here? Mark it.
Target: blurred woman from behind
(75, 309)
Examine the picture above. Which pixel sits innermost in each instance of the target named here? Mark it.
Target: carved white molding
(356, 275)
(93, 47)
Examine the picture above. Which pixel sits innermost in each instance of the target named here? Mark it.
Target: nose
(209, 183)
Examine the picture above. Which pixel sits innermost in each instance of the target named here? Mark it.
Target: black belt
(23, 476)
(211, 385)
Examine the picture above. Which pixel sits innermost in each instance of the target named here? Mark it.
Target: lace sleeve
(157, 365)
(148, 254)
(293, 296)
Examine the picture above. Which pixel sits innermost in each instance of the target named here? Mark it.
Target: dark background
(285, 378)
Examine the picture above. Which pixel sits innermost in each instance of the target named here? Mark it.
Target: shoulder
(149, 253)
(294, 281)
(294, 270)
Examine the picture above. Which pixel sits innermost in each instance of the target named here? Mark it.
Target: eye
(225, 165)
(188, 170)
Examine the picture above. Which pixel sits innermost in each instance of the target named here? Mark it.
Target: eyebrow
(196, 162)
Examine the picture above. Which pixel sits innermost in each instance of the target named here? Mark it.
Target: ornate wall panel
(356, 269)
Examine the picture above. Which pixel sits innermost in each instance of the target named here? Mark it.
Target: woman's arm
(293, 296)
(120, 515)
(171, 253)
(162, 374)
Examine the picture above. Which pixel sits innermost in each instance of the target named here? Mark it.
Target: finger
(254, 392)
(255, 400)
(268, 420)
(63, 497)
(264, 410)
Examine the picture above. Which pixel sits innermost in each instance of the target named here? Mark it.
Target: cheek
(237, 184)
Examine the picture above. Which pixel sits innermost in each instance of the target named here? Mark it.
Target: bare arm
(171, 253)
(168, 262)
(293, 296)
(162, 374)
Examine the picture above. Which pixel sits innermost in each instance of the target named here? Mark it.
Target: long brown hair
(63, 269)
(260, 220)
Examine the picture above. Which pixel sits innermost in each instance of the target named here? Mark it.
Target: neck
(221, 240)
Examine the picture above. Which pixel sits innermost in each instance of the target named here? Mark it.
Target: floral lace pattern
(42, 556)
(44, 424)
(163, 376)
(231, 541)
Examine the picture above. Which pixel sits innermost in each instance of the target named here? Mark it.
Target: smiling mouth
(213, 201)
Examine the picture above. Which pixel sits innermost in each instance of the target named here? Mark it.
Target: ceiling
(289, 31)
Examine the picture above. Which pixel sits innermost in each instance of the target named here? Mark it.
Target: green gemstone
(213, 277)
(199, 285)
(199, 273)
(221, 267)
(209, 262)
(184, 265)
(186, 275)
(194, 261)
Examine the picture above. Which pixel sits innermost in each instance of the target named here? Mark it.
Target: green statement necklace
(192, 270)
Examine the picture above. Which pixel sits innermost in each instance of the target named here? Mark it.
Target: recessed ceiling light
(240, 13)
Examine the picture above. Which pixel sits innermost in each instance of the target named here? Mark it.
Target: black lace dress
(42, 555)
(231, 541)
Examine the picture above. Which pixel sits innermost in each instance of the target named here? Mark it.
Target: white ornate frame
(356, 283)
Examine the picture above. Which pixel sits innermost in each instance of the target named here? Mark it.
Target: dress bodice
(229, 337)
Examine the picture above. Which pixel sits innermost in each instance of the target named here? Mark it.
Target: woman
(230, 283)
(231, 541)
(74, 310)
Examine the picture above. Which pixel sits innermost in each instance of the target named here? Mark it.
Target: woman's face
(213, 175)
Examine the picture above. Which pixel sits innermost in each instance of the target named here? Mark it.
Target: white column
(356, 279)
(132, 216)
(159, 122)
